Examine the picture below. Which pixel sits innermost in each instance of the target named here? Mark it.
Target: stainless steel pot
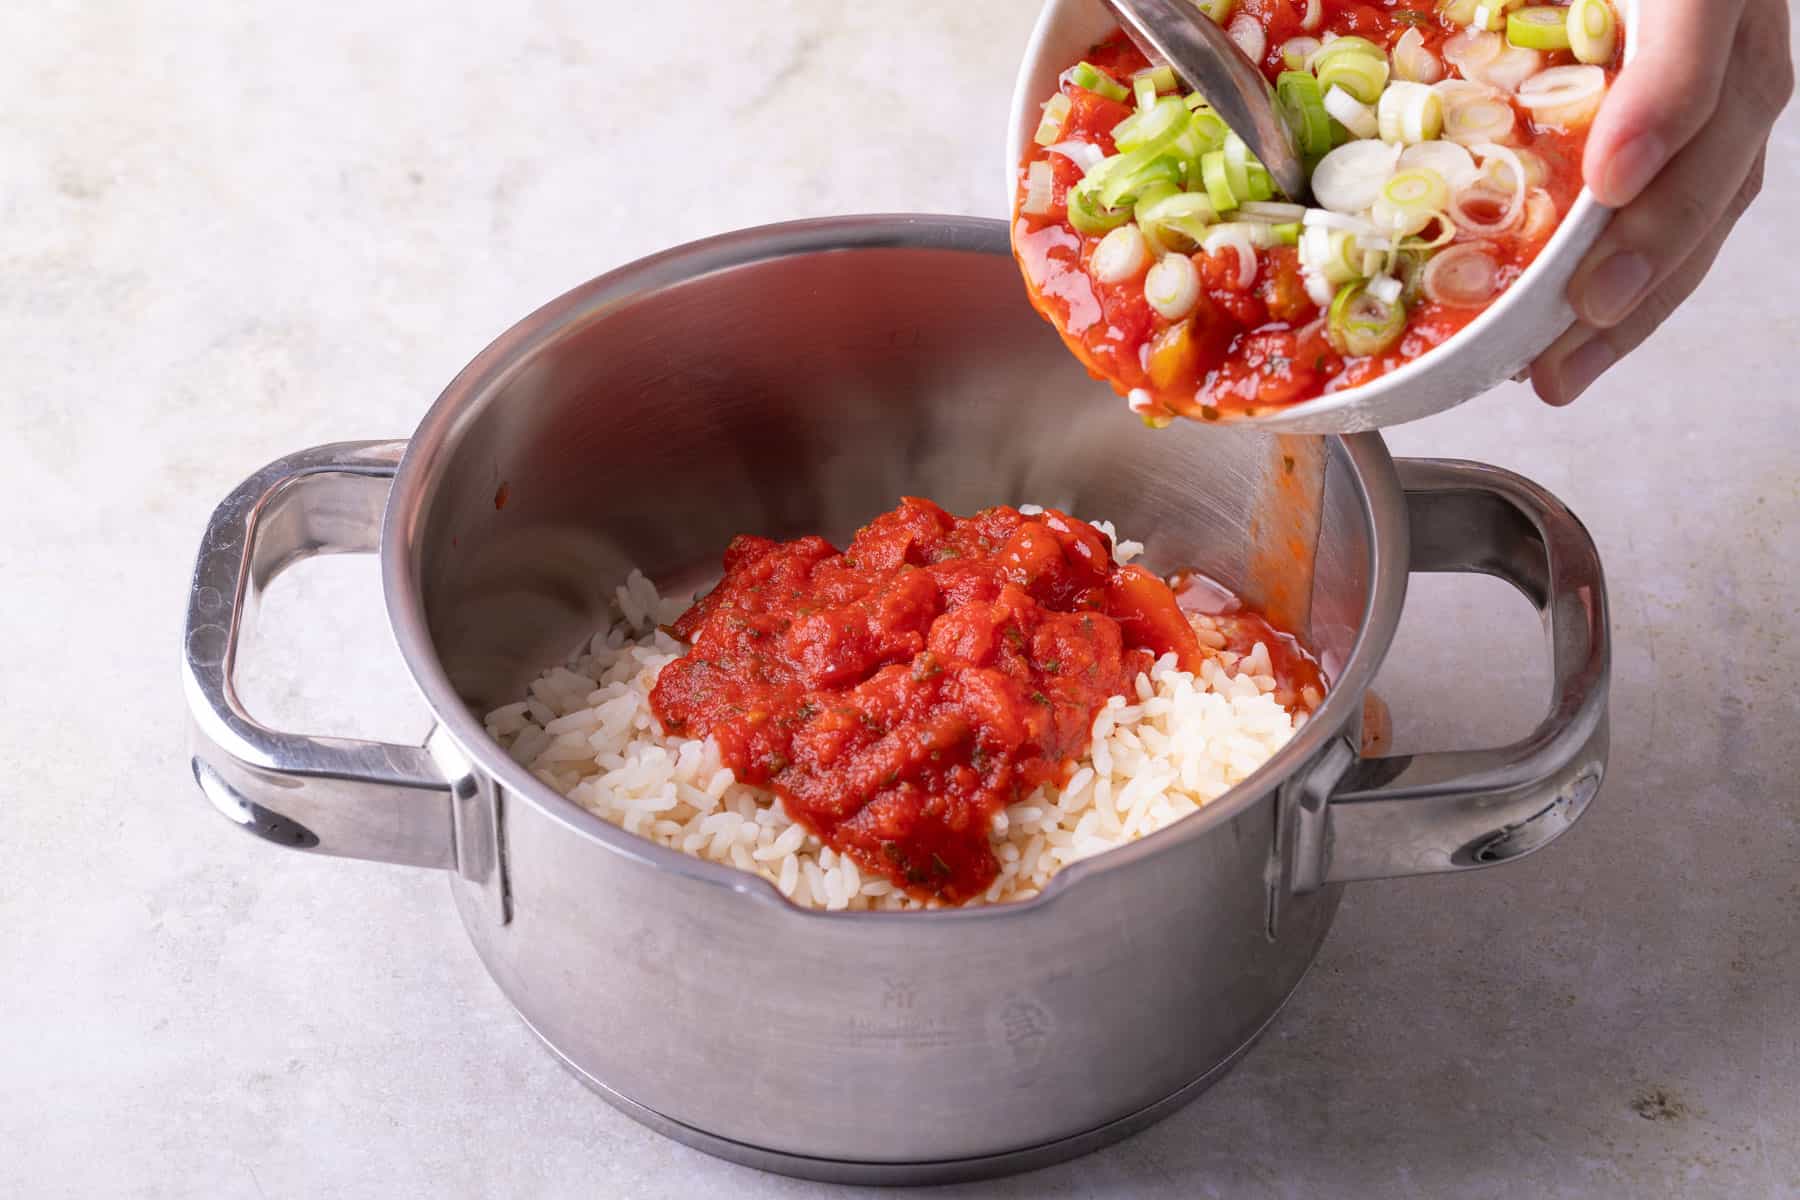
(801, 378)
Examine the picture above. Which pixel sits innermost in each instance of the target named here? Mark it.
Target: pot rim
(1376, 480)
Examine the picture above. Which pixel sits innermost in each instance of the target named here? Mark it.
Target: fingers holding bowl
(1676, 209)
(1586, 351)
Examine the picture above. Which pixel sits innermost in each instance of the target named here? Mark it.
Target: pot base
(912, 1174)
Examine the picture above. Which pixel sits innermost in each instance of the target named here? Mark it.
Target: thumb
(1663, 97)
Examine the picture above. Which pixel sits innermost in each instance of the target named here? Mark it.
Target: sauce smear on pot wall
(896, 695)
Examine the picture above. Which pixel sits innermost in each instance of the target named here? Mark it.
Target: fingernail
(1632, 169)
(1614, 287)
(1580, 369)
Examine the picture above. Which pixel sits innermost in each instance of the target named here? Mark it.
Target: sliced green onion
(1410, 113)
(1410, 201)
(1295, 51)
(1143, 90)
(1195, 100)
(1261, 186)
(1362, 324)
(1172, 286)
(1331, 253)
(1155, 129)
(1087, 76)
(1040, 189)
(1287, 233)
(1237, 166)
(1355, 64)
(1152, 195)
(1540, 27)
(1205, 131)
(1218, 10)
(1218, 186)
(1185, 213)
(1120, 255)
(1302, 103)
(1563, 97)
(1056, 115)
(1162, 78)
(1593, 31)
(1355, 116)
(1124, 177)
(1088, 215)
(1414, 61)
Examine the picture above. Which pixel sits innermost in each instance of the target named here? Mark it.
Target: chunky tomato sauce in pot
(899, 693)
(1444, 144)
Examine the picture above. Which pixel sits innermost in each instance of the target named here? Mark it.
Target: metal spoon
(1210, 62)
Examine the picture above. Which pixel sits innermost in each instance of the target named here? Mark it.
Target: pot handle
(1375, 818)
(328, 795)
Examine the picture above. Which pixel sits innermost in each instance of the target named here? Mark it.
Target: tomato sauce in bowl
(1273, 318)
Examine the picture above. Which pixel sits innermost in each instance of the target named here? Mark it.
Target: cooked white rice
(587, 730)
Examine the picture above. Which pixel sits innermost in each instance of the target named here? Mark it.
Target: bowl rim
(1372, 471)
(1358, 408)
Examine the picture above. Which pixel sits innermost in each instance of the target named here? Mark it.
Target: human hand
(1677, 149)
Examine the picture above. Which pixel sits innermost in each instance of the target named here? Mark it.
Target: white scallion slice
(1361, 323)
(1540, 216)
(1085, 155)
(1511, 67)
(1296, 51)
(1240, 238)
(1172, 286)
(1143, 91)
(1447, 159)
(1471, 50)
(1248, 33)
(1313, 17)
(1332, 254)
(1493, 152)
(1040, 189)
(1355, 64)
(1564, 97)
(1410, 113)
(1120, 255)
(1413, 61)
(1351, 113)
(1464, 276)
(1409, 202)
(1472, 119)
(1593, 31)
(1056, 114)
(1349, 178)
(1175, 217)
(1326, 219)
(1386, 288)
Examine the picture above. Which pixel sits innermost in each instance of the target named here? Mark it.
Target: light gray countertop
(227, 235)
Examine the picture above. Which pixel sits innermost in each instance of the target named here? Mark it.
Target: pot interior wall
(806, 394)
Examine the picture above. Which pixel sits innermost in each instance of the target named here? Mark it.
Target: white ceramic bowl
(1491, 349)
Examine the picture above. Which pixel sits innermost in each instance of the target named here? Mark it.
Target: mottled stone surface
(227, 233)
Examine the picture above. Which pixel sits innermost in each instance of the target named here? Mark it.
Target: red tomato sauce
(1249, 347)
(897, 694)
